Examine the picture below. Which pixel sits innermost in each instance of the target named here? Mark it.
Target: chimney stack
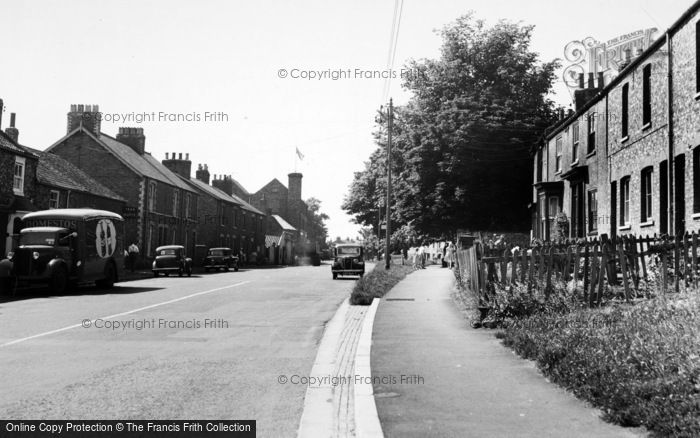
(134, 138)
(591, 82)
(581, 79)
(202, 173)
(294, 187)
(87, 116)
(11, 131)
(224, 183)
(178, 166)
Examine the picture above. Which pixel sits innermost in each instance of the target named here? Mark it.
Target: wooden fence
(635, 264)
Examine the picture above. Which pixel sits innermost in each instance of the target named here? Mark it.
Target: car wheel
(335, 275)
(167, 274)
(59, 281)
(155, 273)
(110, 277)
(235, 268)
(179, 272)
(226, 268)
(189, 271)
(206, 269)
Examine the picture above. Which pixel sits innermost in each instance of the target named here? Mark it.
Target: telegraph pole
(387, 254)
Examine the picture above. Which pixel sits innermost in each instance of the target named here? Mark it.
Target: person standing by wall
(133, 255)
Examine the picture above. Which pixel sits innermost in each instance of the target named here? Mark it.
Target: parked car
(220, 258)
(171, 258)
(63, 247)
(348, 260)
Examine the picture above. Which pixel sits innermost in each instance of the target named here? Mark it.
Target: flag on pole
(299, 154)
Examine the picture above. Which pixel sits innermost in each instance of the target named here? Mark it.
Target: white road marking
(17, 341)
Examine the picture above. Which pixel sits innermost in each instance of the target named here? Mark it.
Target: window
(557, 160)
(646, 95)
(553, 207)
(574, 146)
(696, 180)
(152, 196)
(625, 201)
(591, 131)
(176, 203)
(592, 210)
(54, 198)
(646, 193)
(18, 180)
(188, 201)
(539, 165)
(625, 110)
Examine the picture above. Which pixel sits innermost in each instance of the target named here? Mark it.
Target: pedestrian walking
(423, 254)
(133, 255)
(451, 254)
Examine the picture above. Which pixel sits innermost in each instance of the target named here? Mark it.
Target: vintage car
(65, 247)
(348, 260)
(220, 258)
(171, 258)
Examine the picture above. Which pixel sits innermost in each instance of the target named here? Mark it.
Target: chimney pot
(12, 120)
(581, 81)
(591, 83)
(601, 80)
(187, 156)
(166, 155)
(179, 157)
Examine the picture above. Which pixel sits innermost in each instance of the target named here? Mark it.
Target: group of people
(438, 252)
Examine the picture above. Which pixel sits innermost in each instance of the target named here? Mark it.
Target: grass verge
(639, 363)
(377, 283)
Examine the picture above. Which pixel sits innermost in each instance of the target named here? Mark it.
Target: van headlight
(35, 255)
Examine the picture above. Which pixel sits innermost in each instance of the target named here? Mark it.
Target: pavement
(434, 376)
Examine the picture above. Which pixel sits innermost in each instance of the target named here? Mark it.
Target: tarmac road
(207, 347)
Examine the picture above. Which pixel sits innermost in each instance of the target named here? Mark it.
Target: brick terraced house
(223, 219)
(160, 207)
(18, 166)
(627, 160)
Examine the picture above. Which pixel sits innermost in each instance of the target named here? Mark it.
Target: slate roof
(54, 171)
(144, 164)
(212, 191)
(6, 143)
(283, 223)
(240, 187)
(246, 205)
(223, 196)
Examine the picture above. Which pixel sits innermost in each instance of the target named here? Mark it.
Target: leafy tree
(460, 156)
(317, 228)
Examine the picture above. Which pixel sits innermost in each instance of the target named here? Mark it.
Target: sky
(241, 85)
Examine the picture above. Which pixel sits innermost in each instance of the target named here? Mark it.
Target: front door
(679, 192)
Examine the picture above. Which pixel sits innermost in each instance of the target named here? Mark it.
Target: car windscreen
(217, 252)
(39, 238)
(349, 251)
(167, 252)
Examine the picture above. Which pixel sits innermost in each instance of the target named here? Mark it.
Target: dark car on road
(172, 259)
(220, 258)
(348, 260)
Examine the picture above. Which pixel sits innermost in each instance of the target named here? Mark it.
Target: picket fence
(629, 261)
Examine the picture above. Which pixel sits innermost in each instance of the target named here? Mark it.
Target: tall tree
(462, 141)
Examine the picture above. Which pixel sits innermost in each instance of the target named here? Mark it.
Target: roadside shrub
(377, 283)
(639, 363)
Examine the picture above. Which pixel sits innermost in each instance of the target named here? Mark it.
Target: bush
(639, 363)
(377, 283)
